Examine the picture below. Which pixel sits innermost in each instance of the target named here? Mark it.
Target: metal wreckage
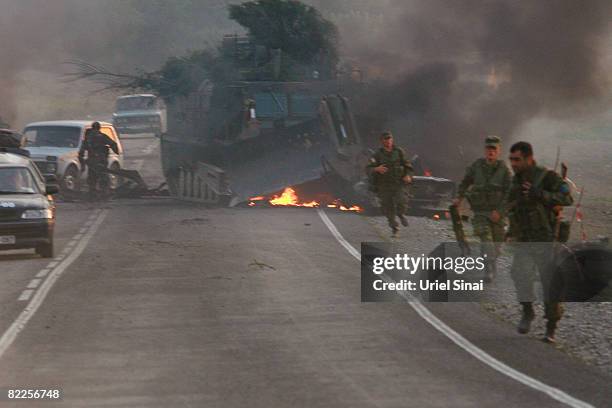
(277, 135)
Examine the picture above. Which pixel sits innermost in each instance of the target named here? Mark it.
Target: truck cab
(140, 113)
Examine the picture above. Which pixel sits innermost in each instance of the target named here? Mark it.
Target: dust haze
(440, 73)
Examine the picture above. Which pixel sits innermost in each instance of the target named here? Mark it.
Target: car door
(113, 157)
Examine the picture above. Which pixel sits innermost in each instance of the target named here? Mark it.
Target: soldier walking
(535, 201)
(389, 173)
(486, 185)
(96, 144)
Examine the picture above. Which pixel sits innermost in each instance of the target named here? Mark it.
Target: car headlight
(37, 214)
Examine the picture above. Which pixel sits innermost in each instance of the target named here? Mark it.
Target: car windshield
(16, 180)
(53, 136)
(136, 103)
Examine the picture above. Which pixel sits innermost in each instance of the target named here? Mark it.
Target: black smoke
(454, 71)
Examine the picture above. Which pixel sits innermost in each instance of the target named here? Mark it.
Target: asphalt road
(167, 304)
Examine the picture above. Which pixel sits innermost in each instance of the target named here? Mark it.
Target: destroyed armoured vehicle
(272, 127)
(258, 134)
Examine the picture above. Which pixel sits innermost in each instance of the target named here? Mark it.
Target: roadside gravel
(585, 331)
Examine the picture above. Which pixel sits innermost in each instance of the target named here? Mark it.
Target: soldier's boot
(551, 327)
(393, 225)
(403, 220)
(527, 317)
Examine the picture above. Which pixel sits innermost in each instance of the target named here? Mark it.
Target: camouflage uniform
(533, 220)
(486, 187)
(390, 187)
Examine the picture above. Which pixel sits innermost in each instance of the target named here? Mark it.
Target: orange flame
(289, 198)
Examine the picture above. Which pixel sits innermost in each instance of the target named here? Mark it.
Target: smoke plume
(455, 71)
(440, 73)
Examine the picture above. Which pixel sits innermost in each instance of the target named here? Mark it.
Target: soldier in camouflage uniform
(486, 186)
(534, 204)
(389, 173)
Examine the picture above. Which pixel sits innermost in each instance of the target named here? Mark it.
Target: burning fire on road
(289, 198)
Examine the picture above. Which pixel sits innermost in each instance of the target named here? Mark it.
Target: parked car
(12, 141)
(54, 147)
(27, 209)
(141, 113)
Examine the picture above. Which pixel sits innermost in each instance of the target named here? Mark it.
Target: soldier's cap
(492, 141)
(386, 135)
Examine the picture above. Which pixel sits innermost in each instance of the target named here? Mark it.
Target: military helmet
(96, 125)
(386, 135)
(493, 141)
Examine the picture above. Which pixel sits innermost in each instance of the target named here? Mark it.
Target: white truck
(54, 147)
(140, 113)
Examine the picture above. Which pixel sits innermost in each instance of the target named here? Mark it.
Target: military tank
(271, 127)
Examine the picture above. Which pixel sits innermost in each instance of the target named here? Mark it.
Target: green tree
(299, 30)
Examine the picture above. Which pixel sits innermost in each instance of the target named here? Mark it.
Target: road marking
(30, 310)
(458, 339)
(83, 230)
(52, 264)
(42, 273)
(25, 295)
(77, 237)
(33, 284)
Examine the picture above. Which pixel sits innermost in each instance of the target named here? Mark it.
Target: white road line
(19, 324)
(42, 273)
(77, 237)
(25, 295)
(83, 230)
(458, 339)
(33, 284)
(52, 264)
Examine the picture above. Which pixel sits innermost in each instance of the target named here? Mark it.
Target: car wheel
(70, 182)
(46, 250)
(115, 181)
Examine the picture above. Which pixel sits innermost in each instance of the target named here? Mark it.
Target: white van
(54, 147)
